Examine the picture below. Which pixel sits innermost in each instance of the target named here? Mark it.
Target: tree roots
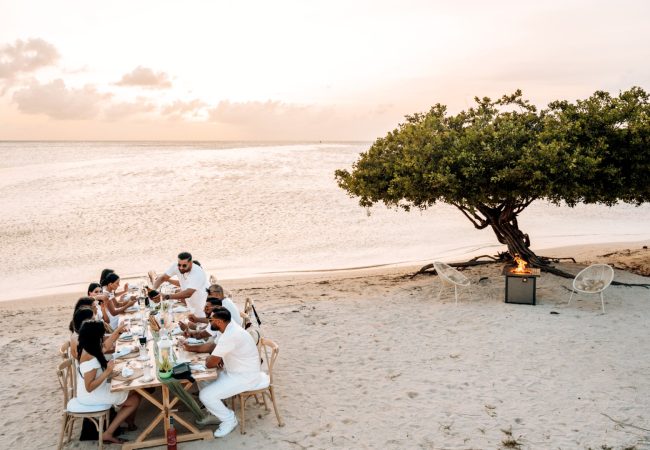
(505, 258)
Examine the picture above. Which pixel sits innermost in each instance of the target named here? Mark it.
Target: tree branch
(476, 220)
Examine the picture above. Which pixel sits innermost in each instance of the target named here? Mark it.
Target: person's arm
(89, 377)
(208, 347)
(123, 291)
(109, 342)
(115, 310)
(193, 318)
(214, 362)
(174, 282)
(160, 280)
(182, 295)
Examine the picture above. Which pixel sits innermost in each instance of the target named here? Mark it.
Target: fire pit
(521, 283)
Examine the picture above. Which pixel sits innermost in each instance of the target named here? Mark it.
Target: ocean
(70, 209)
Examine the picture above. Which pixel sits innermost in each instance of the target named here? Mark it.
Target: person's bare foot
(109, 438)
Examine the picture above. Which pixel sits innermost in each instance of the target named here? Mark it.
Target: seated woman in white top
(114, 307)
(92, 374)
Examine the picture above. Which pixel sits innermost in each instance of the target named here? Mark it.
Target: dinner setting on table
(161, 358)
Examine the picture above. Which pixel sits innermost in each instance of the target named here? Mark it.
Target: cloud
(145, 77)
(181, 108)
(254, 113)
(59, 102)
(26, 56)
(118, 111)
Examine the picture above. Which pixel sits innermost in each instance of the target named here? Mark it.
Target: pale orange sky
(297, 70)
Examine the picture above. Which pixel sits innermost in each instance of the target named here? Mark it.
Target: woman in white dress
(92, 375)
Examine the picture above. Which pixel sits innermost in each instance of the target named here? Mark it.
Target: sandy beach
(371, 359)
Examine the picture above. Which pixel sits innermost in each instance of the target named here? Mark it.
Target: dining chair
(73, 410)
(449, 275)
(593, 280)
(266, 388)
(64, 350)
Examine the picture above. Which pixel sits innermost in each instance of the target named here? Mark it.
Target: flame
(521, 266)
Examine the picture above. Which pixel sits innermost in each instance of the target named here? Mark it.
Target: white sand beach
(372, 359)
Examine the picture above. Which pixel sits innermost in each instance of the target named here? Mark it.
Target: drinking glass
(143, 348)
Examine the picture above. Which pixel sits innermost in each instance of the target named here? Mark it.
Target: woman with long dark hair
(92, 375)
(82, 313)
(110, 283)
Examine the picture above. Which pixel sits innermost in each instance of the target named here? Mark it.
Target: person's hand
(182, 325)
(191, 318)
(109, 366)
(188, 347)
(220, 364)
(126, 286)
(121, 328)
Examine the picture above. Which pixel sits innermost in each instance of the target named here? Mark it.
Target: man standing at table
(192, 280)
(237, 355)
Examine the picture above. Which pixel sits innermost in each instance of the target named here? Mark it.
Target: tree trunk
(508, 233)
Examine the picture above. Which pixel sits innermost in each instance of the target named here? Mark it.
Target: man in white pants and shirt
(192, 279)
(237, 355)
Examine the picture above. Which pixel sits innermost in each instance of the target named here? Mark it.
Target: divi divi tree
(495, 159)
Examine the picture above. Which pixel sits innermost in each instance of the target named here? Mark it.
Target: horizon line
(310, 141)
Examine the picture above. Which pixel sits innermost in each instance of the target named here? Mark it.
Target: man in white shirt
(237, 355)
(192, 280)
(216, 291)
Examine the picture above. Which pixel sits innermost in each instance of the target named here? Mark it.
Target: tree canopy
(494, 159)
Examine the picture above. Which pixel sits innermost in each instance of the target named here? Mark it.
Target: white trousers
(224, 387)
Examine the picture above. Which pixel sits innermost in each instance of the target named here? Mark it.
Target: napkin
(198, 367)
(177, 331)
(127, 372)
(180, 309)
(194, 341)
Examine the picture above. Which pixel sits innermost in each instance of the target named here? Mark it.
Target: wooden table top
(181, 356)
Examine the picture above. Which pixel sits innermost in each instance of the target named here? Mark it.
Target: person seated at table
(103, 276)
(84, 314)
(95, 291)
(92, 380)
(237, 355)
(197, 323)
(216, 291)
(192, 281)
(114, 306)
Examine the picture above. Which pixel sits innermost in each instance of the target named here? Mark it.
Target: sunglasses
(183, 266)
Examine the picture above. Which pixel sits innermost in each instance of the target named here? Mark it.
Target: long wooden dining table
(166, 404)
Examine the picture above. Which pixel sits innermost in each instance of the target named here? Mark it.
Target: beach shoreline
(585, 252)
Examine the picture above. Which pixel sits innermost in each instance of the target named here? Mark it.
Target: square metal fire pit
(521, 288)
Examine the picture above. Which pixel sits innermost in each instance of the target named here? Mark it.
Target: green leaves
(502, 152)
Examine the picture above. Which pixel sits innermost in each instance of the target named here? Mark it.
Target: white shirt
(238, 351)
(232, 309)
(194, 279)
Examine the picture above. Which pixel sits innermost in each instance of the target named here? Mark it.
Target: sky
(297, 70)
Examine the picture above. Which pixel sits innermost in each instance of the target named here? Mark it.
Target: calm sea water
(69, 209)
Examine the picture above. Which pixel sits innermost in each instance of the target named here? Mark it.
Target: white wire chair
(593, 280)
(449, 275)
